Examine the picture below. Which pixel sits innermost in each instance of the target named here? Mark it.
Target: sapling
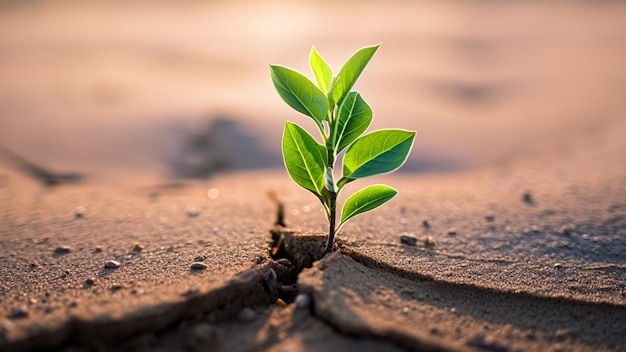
(341, 116)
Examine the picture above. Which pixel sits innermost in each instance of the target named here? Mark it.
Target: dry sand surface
(143, 203)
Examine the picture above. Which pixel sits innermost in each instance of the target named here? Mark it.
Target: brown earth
(146, 133)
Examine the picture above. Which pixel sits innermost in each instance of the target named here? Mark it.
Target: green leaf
(376, 153)
(304, 158)
(300, 93)
(353, 118)
(365, 200)
(350, 71)
(323, 73)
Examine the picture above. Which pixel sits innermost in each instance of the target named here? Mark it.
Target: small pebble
(112, 264)
(79, 213)
(409, 240)
(137, 248)
(90, 281)
(198, 266)
(566, 230)
(405, 310)
(199, 258)
(451, 232)
(116, 287)
(528, 198)
(98, 249)
(558, 265)
(428, 240)
(303, 300)
(192, 213)
(61, 250)
(65, 274)
(270, 276)
(18, 312)
(426, 224)
(247, 314)
(489, 218)
(284, 261)
(487, 343)
(280, 303)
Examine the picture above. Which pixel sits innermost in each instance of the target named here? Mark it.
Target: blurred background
(182, 88)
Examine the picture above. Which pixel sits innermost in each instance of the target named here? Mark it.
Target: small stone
(405, 310)
(451, 232)
(528, 198)
(428, 240)
(33, 265)
(79, 213)
(270, 276)
(116, 287)
(98, 249)
(284, 262)
(558, 265)
(409, 240)
(247, 314)
(489, 218)
(62, 250)
(280, 303)
(137, 248)
(112, 264)
(192, 213)
(434, 330)
(199, 258)
(566, 230)
(426, 224)
(486, 343)
(303, 300)
(90, 281)
(65, 274)
(72, 304)
(18, 312)
(198, 266)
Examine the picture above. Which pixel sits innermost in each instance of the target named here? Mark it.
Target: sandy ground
(146, 134)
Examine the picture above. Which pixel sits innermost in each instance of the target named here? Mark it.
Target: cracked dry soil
(356, 303)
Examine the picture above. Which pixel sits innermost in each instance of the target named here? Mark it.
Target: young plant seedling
(341, 116)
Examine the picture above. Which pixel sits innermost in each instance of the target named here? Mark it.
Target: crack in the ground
(274, 280)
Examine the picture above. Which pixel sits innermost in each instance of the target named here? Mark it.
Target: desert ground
(144, 204)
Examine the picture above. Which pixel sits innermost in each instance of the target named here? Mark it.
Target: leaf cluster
(342, 116)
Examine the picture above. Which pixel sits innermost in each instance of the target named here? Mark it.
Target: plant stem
(331, 230)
